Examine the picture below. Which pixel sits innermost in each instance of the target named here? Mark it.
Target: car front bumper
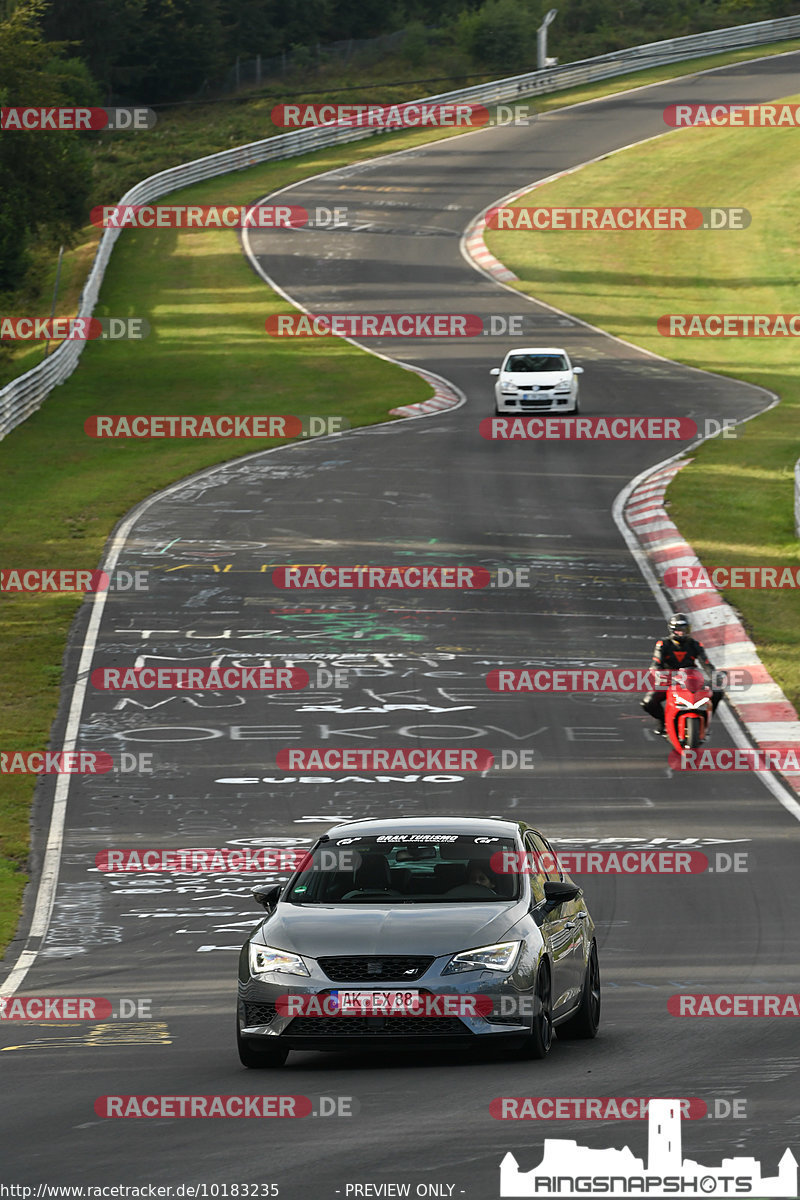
(537, 402)
(510, 1017)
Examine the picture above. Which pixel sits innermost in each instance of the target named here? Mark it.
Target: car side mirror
(560, 893)
(267, 897)
(577, 370)
(495, 371)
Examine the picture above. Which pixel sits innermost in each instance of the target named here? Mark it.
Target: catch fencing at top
(24, 395)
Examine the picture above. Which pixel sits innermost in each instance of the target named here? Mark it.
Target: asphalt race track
(426, 491)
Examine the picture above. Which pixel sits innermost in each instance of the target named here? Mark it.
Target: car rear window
(423, 869)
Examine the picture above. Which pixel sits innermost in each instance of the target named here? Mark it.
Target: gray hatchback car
(446, 931)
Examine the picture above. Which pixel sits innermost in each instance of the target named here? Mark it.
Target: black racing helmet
(679, 626)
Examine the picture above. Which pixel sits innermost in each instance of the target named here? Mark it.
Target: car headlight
(499, 957)
(265, 960)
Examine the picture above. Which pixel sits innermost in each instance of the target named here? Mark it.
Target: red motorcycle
(687, 709)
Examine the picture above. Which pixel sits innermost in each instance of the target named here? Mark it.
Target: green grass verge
(735, 503)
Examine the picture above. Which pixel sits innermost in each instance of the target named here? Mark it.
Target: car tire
(270, 1056)
(538, 1044)
(586, 1021)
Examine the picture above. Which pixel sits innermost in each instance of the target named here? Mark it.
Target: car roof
(466, 825)
(537, 350)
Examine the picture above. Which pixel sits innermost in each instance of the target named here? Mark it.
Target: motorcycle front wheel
(692, 733)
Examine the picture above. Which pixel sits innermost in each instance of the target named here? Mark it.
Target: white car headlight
(499, 957)
(265, 960)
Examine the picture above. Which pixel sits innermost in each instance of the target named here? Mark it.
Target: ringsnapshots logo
(29, 120)
(616, 219)
(568, 1169)
(742, 116)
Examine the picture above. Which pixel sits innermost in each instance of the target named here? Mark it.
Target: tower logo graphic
(568, 1169)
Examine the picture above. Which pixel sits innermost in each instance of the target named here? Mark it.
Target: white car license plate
(379, 1003)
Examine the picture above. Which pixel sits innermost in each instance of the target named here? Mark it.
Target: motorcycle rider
(672, 653)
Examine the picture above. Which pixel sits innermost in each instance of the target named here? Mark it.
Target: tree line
(150, 52)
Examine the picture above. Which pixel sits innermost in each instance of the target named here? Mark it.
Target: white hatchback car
(536, 379)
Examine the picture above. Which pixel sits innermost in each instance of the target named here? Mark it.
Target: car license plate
(379, 1003)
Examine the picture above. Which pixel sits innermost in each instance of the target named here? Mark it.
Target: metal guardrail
(24, 395)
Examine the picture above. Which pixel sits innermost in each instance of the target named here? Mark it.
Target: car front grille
(375, 968)
(358, 1026)
(258, 1014)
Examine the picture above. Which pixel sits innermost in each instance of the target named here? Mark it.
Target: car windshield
(519, 363)
(408, 869)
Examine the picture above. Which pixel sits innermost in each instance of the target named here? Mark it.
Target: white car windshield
(524, 363)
